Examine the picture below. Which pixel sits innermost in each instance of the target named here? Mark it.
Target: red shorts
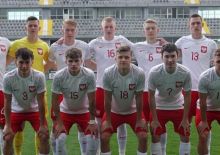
(117, 120)
(174, 116)
(211, 116)
(70, 119)
(2, 116)
(194, 98)
(17, 120)
(146, 107)
(100, 109)
(60, 98)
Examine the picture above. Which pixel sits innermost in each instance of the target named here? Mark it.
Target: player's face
(217, 62)
(24, 66)
(74, 65)
(108, 29)
(32, 28)
(151, 31)
(195, 25)
(123, 60)
(170, 60)
(69, 31)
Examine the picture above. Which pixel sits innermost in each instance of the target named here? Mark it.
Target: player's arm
(50, 65)
(179, 60)
(107, 101)
(89, 63)
(187, 101)
(41, 103)
(139, 107)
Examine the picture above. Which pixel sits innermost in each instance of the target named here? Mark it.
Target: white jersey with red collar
(104, 52)
(147, 56)
(4, 46)
(196, 55)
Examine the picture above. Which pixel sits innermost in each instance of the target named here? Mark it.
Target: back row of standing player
(196, 55)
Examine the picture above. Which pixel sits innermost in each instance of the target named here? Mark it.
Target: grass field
(172, 146)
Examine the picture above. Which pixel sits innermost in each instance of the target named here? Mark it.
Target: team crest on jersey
(204, 49)
(179, 84)
(117, 45)
(158, 49)
(132, 86)
(82, 86)
(32, 88)
(3, 48)
(40, 51)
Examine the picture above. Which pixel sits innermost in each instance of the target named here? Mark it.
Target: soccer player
(24, 90)
(57, 55)
(123, 85)
(4, 46)
(148, 54)
(167, 103)
(197, 52)
(77, 84)
(104, 50)
(40, 50)
(209, 98)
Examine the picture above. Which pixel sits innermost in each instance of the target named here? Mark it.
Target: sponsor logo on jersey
(179, 84)
(117, 45)
(82, 86)
(3, 48)
(204, 49)
(132, 86)
(32, 88)
(40, 51)
(158, 49)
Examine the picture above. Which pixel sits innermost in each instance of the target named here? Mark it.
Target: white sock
(99, 121)
(107, 153)
(209, 141)
(140, 153)
(163, 142)
(82, 142)
(53, 143)
(92, 145)
(60, 144)
(122, 138)
(156, 149)
(1, 140)
(184, 148)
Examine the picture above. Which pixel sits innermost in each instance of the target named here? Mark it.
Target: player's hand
(203, 128)
(141, 124)
(185, 125)
(93, 128)
(43, 132)
(8, 134)
(106, 125)
(162, 41)
(60, 41)
(59, 128)
(154, 125)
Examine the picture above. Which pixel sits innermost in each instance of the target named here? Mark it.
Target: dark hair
(217, 52)
(123, 48)
(195, 16)
(169, 48)
(31, 18)
(73, 53)
(24, 53)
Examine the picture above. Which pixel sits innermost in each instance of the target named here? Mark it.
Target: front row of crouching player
(73, 101)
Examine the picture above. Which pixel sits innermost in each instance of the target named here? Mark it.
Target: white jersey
(74, 89)
(123, 88)
(196, 55)
(4, 46)
(57, 52)
(168, 87)
(147, 56)
(24, 90)
(104, 53)
(209, 83)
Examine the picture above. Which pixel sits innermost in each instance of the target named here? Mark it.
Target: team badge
(179, 84)
(3, 48)
(117, 45)
(40, 51)
(132, 86)
(203, 49)
(32, 88)
(82, 86)
(158, 49)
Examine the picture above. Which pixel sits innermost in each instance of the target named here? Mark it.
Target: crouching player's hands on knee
(7, 133)
(203, 128)
(93, 128)
(43, 132)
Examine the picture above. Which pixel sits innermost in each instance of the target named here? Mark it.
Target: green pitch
(172, 145)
